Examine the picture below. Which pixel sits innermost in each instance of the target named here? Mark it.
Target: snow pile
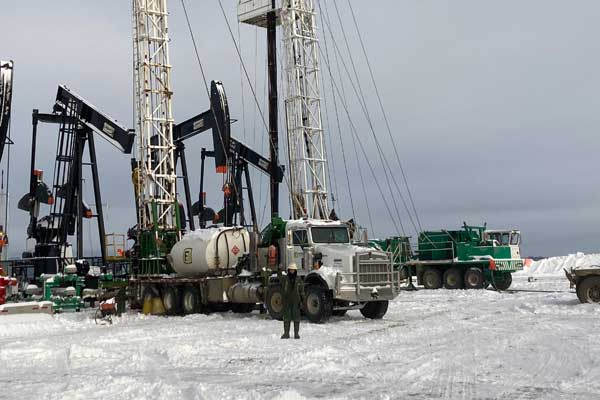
(555, 265)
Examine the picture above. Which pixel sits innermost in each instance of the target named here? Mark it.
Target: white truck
(338, 275)
(230, 268)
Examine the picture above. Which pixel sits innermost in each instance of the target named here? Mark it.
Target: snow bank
(555, 265)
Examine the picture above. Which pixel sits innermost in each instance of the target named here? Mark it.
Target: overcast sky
(493, 106)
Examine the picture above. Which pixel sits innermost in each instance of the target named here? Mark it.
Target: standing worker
(293, 295)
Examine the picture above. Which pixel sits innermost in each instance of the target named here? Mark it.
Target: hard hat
(292, 266)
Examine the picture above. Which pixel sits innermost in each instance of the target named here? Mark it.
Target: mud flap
(153, 306)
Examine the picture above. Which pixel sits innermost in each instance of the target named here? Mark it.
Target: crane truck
(472, 257)
(227, 265)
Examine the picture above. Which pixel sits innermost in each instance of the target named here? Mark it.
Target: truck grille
(373, 271)
(509, 265)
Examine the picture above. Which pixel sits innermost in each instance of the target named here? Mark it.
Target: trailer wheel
(502, 282)
(172, 300)
(318, 305)
(375, 309)
(474, 279)
(190, 300)
(453, 279)
(275, 302)
(432, 278)
(588, 290)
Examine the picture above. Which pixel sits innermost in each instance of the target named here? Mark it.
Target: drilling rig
(154, 175)
(227, 265)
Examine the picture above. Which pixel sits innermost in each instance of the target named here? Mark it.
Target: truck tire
(375, 309)
(190, 300)
(588, 289)
(474, 279)
(432, 278)
(318, 305)
(502, 282)
(275, 302)
(171, 298)
(453, 279)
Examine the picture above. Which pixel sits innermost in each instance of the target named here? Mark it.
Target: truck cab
(507, 238)
(338, 274)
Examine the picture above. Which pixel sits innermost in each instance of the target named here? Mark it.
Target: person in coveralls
(293, 295)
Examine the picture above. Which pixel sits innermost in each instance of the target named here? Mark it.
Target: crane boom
(156, 177)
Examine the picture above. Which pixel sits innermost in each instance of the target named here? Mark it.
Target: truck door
(298, 239)
(515, 245)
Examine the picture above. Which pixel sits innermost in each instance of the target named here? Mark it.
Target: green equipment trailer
(471, 258)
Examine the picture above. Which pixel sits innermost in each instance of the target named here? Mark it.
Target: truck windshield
(330, 234)
(502, 238)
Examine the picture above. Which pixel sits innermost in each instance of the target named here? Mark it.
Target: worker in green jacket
(293, 295)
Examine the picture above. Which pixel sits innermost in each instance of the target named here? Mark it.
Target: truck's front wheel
(588, 290)
(275, 302)
(502, 282)
(375, 309)
(318, 305)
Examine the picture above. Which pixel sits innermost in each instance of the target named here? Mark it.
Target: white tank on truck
(207, 251)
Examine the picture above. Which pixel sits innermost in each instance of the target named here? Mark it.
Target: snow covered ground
(431, 344)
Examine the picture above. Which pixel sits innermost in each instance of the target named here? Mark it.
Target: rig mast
(154, 173)
(306, 147)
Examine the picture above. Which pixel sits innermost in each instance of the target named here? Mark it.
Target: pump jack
(78, 122)
(232, 157)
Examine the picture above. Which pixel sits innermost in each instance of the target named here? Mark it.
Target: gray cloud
(493, 105)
